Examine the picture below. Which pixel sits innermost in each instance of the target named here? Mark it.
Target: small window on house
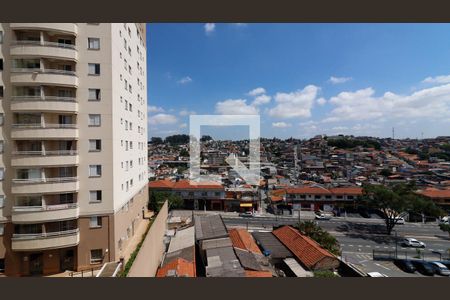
(96, 256)
(94, 120)
(1, 91)
(94, 69)
(95, 222)
(1, 64)
(2, 173)
(93, 43)
(95, 145)
(94, 94)
(95, 170)
(2, 228)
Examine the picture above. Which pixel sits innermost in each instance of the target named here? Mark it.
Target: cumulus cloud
(261, 99)
(186, 112)
(185, 80)
(256, 92)
(162, 118)
(281, 125)
(362, 105)
(295, 104)
(337, 80)
(321, 101)
(438, 79)
(210, 28)
(154, 109)
(235, 107)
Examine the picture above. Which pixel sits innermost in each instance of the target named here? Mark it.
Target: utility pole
(396, 249)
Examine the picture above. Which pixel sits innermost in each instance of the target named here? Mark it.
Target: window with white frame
(94, 94)
(95, 222)
(93, 43)
(96, 256)
(94, 69)
(95, 145)
(94, 120)
(95, 170)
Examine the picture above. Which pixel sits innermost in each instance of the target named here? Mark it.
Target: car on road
(446, 263)
(399, 221)
(376, 274)
(405, 265)
(410, 242)
(320, 216)
(247, 214)
(440, 268)
(424, 267)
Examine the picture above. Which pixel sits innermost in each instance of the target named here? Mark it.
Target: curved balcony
(44, 158)
(45, 185)
(70, 28)
(44, 49)
(47, 131)
(43, 241)
(41, 214)
(44, 77)
(44, 103)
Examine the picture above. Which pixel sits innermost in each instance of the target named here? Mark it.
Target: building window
(2, 173)
(1, 118)
(94, 120)
(96, 256)
(2, 200)
(93, 43)
(94, 94)
(1, 64)
(95, 170)
(95, 222)
(95, 145)
(2, 229)
(94, 69)
(1, 91)
(1, 37)
(2, 144)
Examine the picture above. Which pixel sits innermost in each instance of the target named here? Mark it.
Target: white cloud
(433, 103)
(321, 101)
(183, 125)
(210, 28)
(240, 24)
(281, 125)
(256, 92)
(186, 112)
(235, 107)
(295, 104)
(261, 99)
(337, 80)
(162, 119)
(185, 80)
(438, 79)
(153, 109)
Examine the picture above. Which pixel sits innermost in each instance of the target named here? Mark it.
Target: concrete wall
(149, 257)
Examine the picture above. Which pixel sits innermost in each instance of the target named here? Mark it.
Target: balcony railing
(43, 235)
(43, 71)
(45, 180)
(52, 207)
(43, 43)
(43, 98)
(46, 153)
(39, 125)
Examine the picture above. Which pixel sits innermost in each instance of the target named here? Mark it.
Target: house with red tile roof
(242, 239)
(439, 196)
(308, 252)
(178, 267)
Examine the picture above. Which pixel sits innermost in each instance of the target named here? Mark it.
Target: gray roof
(216, 243)
(222, 262)
(209, 227)
(182, 239)
(269, 242)
(248, 259)
(186, 253)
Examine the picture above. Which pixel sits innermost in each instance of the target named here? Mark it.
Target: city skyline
(303, 79)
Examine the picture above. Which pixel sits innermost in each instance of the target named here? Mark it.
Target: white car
(376, 274)
(399, 221)
(410, 242)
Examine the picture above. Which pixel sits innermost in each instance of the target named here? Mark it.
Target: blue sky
(303, 79)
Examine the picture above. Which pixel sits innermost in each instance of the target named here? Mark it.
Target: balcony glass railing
(44, 126)
(28, 208)
(43, 71)
(44, 180)
(43, 235)
(43, 98)
(43, 43)
(46, 153)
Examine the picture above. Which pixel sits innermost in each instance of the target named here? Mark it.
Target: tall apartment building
(73, 143)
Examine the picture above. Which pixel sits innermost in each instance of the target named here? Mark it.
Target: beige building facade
(73, 144)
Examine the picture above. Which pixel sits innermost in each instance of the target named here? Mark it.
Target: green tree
(156, 140)
(184, 153)
(324, 274)
(385, 172)
(157, 199)
(153, 203)
(322, 237)
(445, 228)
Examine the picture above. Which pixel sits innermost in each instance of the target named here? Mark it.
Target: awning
(246, 205)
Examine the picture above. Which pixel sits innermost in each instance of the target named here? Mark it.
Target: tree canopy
(157, 200)
(177, 139)
(322, 237)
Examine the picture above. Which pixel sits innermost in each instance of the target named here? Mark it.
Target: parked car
(410, 242)
(446, 263)
(424, 267)
(400, 221)
(376, 274)
(320, 216)
(440, 268)
(247, 214)
(405, 265)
